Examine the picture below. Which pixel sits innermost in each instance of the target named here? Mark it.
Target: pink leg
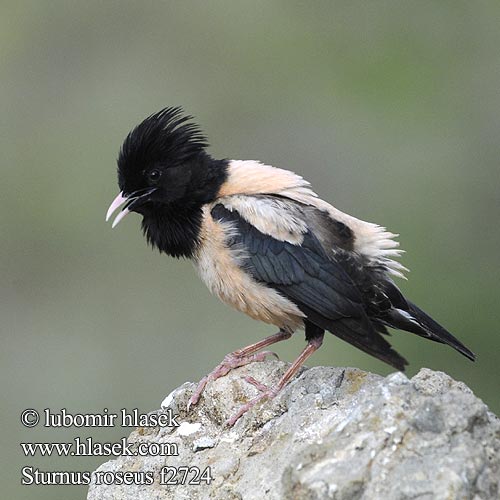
(238, 358)
(269, 393)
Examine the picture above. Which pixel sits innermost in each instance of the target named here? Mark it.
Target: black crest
(167, 136)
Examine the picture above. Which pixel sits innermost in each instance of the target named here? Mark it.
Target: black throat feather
(173, 229)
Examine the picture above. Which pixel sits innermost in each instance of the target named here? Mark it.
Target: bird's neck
(174, 229)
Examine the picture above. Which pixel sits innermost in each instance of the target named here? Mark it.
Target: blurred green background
(390, 109)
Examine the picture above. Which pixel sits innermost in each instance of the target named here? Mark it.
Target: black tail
(416, 321)
(359, 332)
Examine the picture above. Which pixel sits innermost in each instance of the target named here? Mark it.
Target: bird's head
(162, 161)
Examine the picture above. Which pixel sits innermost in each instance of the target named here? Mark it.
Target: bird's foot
(266, 394)
(231, 361)
(269, 393)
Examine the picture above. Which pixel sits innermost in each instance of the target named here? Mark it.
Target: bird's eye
(154, 175)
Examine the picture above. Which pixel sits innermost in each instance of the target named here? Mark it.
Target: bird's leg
(238, 358)
(269, 393)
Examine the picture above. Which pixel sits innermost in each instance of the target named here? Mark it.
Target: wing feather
(309, 277)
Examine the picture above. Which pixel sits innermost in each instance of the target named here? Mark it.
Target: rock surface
(337, 433)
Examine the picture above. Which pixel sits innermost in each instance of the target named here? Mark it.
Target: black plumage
(265, 244)
(168, 143)
(319, 285)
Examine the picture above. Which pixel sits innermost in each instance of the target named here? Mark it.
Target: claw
(197, 393)
(269, 393)
(230, 362)
(259, 385)
(239, 358)
(266, 394)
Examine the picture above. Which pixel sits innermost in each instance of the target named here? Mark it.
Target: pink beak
(117, 203)
(136, 196)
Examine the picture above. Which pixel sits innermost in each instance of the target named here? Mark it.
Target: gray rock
(333, 433)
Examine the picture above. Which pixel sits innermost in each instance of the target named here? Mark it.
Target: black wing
(316, 283)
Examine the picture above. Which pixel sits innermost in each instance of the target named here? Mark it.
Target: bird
(264, 243)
